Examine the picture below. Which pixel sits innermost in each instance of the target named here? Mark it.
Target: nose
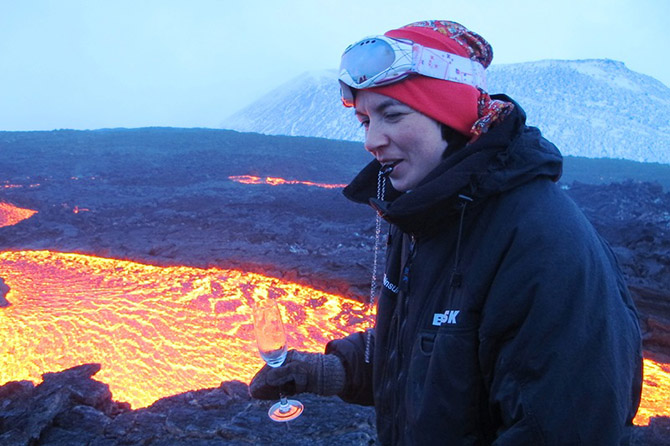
(375, 139)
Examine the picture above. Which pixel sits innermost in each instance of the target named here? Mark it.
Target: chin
(400, 186)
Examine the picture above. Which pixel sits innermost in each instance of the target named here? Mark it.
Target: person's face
(397, 134)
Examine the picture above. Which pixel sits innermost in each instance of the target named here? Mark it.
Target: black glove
(301, 372)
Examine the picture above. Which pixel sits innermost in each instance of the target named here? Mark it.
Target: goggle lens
(367, 59)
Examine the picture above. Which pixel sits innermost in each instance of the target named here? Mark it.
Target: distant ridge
(592, 108)
(308, 105)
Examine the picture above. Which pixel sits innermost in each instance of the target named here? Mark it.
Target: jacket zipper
(401, 323)
(404, 286)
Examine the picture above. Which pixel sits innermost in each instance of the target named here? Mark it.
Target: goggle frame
(409, 58)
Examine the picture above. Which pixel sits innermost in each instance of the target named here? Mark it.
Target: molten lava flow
(7, 185)
(655, 392)
(157, 331)
(11, 215)
(250, 179)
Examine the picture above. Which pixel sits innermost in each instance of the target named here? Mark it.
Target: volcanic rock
(656, 434)
(72, 409)
(4, 289)
(70, 399)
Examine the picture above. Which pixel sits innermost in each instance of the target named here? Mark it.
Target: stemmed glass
(271, 340)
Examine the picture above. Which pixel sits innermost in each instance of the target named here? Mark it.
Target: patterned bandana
(473, 44)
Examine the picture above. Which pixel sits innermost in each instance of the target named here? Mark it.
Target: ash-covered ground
(163, 196)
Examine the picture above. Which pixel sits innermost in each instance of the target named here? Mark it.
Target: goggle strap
(447, 66)
(413, 58)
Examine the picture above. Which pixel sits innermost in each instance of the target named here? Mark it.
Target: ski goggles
(380, 60)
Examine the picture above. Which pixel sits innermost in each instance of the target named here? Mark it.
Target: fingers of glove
(288, 379)
(299, 374)
(260, 388)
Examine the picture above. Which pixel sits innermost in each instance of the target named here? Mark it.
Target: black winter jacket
(504, 318)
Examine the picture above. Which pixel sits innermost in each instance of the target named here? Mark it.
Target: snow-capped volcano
(590, 108)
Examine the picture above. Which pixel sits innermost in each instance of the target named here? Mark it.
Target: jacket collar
(509, 155)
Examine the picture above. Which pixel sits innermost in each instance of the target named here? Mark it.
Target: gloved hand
(301, 372)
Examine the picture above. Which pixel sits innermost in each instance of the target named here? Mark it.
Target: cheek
(427, 148)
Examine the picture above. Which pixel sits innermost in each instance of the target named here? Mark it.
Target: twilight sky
(87, 64)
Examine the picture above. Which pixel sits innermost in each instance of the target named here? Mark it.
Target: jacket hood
(509, 155)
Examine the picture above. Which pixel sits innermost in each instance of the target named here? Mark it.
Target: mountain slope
(308, 105)
(590, 108)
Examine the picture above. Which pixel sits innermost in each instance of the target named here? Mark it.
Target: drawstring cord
(381, 187)
(456, 276)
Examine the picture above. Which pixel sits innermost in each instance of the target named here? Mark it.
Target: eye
(394, 114)
(365, 122)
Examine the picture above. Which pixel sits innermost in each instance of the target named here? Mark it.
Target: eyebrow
(382, 106)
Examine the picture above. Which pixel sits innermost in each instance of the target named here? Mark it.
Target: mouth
(388, 166)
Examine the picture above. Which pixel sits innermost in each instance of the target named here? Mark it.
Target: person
(503, 317)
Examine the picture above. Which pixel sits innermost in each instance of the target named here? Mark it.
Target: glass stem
(283, 403)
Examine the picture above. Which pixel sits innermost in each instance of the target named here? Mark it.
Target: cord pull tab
(386, 170)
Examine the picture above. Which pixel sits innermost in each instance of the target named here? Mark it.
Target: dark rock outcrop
(72, 409)
(31, 415)
(4, 289)
(656, 434)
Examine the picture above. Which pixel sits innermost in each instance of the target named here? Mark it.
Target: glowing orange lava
(655, 392)
(250, 179)
(7, 185)
(159, 331)
(11, 215)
